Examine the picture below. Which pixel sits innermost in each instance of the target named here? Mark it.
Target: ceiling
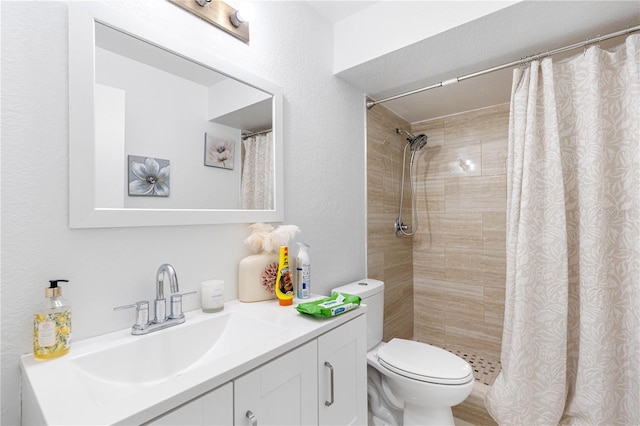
(336, 11)
(520, 30)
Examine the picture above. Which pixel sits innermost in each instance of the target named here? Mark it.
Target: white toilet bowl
(424, 391)
(409, 382)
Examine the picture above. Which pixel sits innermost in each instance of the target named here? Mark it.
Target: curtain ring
(524, 62)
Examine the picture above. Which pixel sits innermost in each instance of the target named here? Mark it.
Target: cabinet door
(214, 408)
(281, 392)
(342, 374)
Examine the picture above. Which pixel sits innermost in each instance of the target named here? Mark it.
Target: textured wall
(459, 251)
(389, 258)
(324, 174)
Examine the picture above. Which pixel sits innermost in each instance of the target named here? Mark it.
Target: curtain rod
(248, 135)
(371, 104)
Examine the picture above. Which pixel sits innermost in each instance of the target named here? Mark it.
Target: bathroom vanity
(253, 363)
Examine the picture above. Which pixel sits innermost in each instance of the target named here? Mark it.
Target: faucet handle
(142, 312)
(176, 304)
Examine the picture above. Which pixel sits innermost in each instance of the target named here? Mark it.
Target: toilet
(410, 383)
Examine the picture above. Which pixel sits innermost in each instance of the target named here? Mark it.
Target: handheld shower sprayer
(415, 144)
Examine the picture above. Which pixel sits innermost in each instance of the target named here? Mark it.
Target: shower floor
(484, 370)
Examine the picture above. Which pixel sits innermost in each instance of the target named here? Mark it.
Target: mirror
(161, 133)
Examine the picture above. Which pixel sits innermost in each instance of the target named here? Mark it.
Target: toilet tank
(372, 294)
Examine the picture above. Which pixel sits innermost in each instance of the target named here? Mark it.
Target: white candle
(212, 294)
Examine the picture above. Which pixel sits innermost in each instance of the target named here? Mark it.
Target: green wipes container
(337, 304)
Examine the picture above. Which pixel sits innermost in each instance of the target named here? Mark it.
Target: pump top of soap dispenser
(53, 290)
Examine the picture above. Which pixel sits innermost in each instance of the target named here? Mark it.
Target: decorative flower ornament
(268, 278)
(264, 238)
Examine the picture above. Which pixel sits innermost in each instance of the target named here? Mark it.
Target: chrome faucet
(142, 324)
(160, 303)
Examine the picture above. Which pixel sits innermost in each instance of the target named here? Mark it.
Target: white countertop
(66, 396)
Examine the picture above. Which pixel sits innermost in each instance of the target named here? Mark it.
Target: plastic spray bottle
(303, 269)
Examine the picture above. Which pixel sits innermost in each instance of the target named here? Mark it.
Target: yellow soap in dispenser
(52, 325)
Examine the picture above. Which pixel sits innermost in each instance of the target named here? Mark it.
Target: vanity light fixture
(220, 14)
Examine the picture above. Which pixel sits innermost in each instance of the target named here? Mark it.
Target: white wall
(324, 172)
(166, 118)
(109, 117)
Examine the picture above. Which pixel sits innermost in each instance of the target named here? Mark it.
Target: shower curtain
(571, 340)
(257, 173)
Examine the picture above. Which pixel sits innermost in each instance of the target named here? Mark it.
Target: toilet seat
(423, 362)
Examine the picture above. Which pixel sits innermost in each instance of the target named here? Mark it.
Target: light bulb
(236, 19)
(246, 9)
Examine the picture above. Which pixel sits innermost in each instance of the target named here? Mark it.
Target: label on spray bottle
(304, 280)
(303, 276)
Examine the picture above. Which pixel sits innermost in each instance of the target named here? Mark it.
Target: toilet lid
(424, 362)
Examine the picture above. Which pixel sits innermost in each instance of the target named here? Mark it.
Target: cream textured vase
(257, 276)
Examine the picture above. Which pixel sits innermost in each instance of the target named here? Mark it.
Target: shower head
(416, 143)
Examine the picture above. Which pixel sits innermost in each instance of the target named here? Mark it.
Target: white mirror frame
(82, 174)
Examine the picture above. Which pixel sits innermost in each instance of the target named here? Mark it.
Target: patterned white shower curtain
(571, 342)
(258, 173)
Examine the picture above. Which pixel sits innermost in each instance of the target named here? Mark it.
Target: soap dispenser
(52, 324)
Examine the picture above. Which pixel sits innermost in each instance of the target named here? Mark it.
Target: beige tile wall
(445, 285)
(459, 250)
(454, 267)
(390, 258)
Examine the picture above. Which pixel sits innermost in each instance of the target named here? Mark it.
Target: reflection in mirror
(174, 140)
(162, 106)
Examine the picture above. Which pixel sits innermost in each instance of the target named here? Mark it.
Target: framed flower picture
(218, 151)
(148, 176)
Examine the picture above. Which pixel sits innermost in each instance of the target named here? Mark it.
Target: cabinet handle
(328, 364)
(252, 418)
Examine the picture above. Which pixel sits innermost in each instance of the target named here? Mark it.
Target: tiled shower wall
(458, 263)
(459, 251)
(389, 259)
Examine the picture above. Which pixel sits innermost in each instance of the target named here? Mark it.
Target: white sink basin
(117, 378)
(147, 359)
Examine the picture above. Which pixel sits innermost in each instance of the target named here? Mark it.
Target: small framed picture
(218, 151)
(149, 176)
